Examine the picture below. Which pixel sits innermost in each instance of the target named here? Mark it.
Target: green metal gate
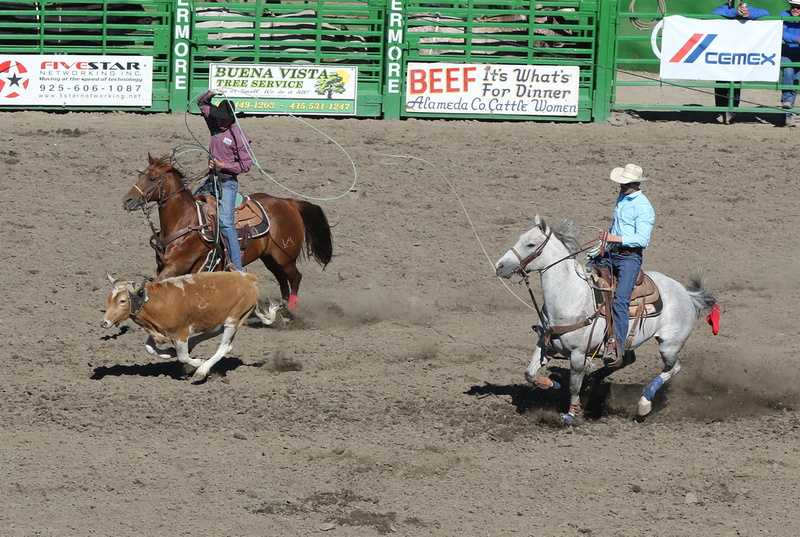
(109, 27)
(379, 37)
(321, 32)
(636, 66)
(561, 32)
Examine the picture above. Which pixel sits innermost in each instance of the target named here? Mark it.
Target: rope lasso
(201, 147)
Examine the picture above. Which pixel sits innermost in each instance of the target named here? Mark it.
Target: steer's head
(119, 303)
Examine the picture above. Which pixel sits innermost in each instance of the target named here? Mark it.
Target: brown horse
(180, 249)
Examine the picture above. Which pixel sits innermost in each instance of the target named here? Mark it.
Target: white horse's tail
(702, 298)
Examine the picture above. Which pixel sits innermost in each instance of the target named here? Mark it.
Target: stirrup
(613, 355)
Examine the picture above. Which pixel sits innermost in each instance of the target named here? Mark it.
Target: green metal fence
(560, 32)
(110, 27)
(320, 32)
(640, 70)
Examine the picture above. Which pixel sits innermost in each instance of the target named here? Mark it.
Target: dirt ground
(396, 401)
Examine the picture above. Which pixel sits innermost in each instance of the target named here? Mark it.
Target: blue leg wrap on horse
(651, 389)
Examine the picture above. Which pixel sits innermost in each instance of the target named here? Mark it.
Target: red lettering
(417, 81)
(467, 78)
(435, 78)
(449, 80)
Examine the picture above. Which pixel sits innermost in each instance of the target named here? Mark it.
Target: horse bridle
(150, 171)
(533, 255)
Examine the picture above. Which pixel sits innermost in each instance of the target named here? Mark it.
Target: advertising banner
(67, 80)
(279, 89)
(457, 88)
(725, 50)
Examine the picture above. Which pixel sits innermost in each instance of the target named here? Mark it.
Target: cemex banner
(731, 50)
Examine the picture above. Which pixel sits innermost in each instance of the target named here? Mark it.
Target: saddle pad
(250, 217)
(646, 291)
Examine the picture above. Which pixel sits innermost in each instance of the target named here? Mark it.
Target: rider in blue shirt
(628, 236)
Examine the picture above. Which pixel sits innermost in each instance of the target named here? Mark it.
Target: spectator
(722, 93)
(790, 53)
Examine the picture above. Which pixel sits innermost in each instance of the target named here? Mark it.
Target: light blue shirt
(634, 219)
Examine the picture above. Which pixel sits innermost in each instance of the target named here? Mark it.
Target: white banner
(694, 49)
(66, 80)
(458, 88)
(287, 88)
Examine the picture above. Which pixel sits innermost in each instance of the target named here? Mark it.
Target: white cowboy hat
(631, 173)
(794, 2)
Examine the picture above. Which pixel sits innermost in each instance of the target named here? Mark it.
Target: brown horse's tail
(319, 241)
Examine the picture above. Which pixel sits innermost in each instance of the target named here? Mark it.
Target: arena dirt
(395, 402)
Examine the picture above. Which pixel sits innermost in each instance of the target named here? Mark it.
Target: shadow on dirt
(525, 398)
(173, 370)
(743, 115)
(599, 400)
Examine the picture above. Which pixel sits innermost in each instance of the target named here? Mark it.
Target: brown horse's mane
(166, 162)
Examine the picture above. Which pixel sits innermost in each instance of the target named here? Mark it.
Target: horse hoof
(199, 376)
(568, 419)
(644, 406)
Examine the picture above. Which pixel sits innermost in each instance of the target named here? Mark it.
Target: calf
(175, 309)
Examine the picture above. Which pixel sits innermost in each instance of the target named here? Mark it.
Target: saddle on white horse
(645, 302)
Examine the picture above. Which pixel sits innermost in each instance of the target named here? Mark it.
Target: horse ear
(540, 223)
(150, 157)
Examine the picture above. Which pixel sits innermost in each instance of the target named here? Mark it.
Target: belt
(624, 250)
(228, 177)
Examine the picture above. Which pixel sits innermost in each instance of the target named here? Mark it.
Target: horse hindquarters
(675, 325)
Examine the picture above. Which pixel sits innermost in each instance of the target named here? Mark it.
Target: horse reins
(547, 330)
(156, 241)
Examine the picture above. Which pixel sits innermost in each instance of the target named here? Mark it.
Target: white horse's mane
(567, 232)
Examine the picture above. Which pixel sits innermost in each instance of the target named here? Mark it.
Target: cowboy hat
(794, 2)
(631, 173)
(224, 110)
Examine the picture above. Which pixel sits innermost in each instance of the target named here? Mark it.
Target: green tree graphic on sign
(329, 84)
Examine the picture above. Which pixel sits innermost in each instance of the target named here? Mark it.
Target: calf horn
(139, 287)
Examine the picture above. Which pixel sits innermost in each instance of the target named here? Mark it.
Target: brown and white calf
(175, 309)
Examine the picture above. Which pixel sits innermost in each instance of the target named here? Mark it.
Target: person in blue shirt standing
(627, 238)
(741, 11)
(790, 52)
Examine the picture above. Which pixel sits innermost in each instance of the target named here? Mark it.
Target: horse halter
(533, 255)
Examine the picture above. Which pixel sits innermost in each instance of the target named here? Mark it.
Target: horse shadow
(525, 398)
(173, 370)
(596, 398)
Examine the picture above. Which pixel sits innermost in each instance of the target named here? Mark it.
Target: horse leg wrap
(292, 302)
(650, 390)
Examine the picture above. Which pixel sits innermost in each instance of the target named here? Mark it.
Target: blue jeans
(790, 77)
(626, 268)
(227, 214)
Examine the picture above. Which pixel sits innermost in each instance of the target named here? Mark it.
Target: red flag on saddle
(713, 319)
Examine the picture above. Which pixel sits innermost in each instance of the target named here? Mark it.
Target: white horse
(569, 301)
